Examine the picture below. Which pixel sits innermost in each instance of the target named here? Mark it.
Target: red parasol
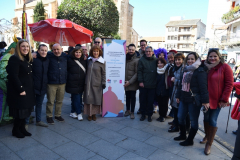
(62, 31)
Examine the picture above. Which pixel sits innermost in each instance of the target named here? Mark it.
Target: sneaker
(132, 116)
(127, 113)
(42, 124)
(155, 109)
(60, 119)
(80, 117)
(50, 120)
(73, 115)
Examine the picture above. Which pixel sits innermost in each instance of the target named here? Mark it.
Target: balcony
(232, 15)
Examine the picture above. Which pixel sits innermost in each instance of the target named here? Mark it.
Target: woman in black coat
(20, 95)
(192, 94)
(76, 68)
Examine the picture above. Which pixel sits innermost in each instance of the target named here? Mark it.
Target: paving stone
(106, 149)
(73, 150)
(110, 136)
(50, 139)
(97, 157)
(81, 137)
(164, 144)
(16, 144)
(131, 156)
(164, 155)
(62, 128)
(137, 147)
(6, 153)
(37, 152)
(88, 126)
(134, 133)
(5, 133)
(115, 126)
(133, 123)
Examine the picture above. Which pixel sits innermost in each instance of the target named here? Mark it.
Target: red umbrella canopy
(61, 31)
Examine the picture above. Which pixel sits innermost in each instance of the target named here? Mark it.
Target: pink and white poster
(113, 94)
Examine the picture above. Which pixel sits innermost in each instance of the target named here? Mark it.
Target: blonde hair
(18, 52)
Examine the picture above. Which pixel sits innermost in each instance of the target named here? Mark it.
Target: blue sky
(149, 17)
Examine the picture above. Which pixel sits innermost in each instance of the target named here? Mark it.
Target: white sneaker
(80, 117)
(73, 115)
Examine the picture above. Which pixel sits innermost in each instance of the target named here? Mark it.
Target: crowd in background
(188, 84)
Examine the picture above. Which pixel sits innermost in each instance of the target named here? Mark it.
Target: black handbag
(196, 99)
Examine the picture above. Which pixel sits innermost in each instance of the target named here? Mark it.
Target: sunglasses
(96, 42)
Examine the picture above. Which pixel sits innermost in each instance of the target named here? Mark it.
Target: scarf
(210, 66)
(161, 70)
(170, 68)
(187, 75)
(129, 56)
(95, 59)
(176, 68)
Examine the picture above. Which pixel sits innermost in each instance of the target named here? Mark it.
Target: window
(172, 37)
(169, 37)
(184, 37)
(186, 29)
(169, 29)
(175, 37)
(234, 29)
(176, 29)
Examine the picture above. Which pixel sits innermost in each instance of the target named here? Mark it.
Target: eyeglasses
(96, 42)
(143, 45)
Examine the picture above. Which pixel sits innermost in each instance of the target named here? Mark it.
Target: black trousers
(130, 100)
(162, 105)
(146, 100)
(236, 155)
(175, 111)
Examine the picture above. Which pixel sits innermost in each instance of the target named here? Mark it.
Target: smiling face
(160, 64)
(131, 50)
(149, 52)
(95, 53)
(57, 50)
(191, 59)
(43, 51)
(143, 46)
(213, 57)
(78, 54)
(161, 55)
(178, 61)
(170, 58)
(24, 48)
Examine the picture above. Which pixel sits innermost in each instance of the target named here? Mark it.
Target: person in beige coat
(94, 84)
(131, 83)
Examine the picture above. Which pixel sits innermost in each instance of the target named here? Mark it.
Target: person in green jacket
(147, 78)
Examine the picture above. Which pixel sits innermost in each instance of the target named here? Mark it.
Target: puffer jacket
(147, 71)
(131, 73)
(220, 84)
(57, 71)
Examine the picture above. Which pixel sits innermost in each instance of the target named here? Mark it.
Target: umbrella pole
(61, 38)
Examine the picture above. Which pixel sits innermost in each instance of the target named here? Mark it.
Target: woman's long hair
(19, 54)
(193, 53)
(218, 53)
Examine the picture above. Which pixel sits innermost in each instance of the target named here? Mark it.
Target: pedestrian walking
(220, 85)
(131, 83)
(76, 68)
(147, 78)
(178, 70)
(192, 94)
(95, 83)
(20, 95)
(161, 89)
(40, 77)
(57, 78)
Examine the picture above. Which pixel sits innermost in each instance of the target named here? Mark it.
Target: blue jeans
(38, 108)
(76, 103)
(193, 110)
(211, 116)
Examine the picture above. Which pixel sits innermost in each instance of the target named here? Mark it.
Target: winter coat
(76, 76)
(235, 114)
(161, 86)
(220, 84)
(141, 53)
(57, 71)
(131, 73)
(198, 86)
(20, 78)
(147, 71)
(177, 82)
(40, 74)
(95, 78)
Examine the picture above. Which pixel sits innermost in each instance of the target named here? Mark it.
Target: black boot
(23, 129)
(189, 140)
(182, 133)
(15, 131)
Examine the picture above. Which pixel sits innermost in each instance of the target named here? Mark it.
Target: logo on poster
(114, 81)
(109, 81)
(120, 81)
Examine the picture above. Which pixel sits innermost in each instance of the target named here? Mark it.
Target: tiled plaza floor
(106, 138)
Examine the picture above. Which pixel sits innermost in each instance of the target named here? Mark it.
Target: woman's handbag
(196, 99)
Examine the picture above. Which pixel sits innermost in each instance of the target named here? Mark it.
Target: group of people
(188, 83)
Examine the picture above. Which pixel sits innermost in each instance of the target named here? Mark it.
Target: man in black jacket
(57, 77)
(147, 78)
(40, 70)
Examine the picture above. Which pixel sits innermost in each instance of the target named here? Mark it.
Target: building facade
(181, 35)
(155, 42)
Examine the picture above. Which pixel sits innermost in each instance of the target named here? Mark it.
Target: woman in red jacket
(220, 85)
(235, 111)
